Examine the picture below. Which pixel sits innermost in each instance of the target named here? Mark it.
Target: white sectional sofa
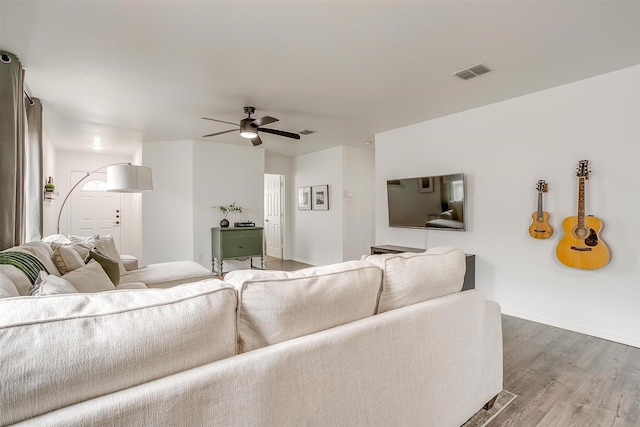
(384, 341)
(159, 275)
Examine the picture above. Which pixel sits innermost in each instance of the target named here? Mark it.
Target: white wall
(50, 212)
(346, 230)
(504, 149)
(358, 202)
(167, 211)
(223, 174)
(190, 177)
(318, 234)
(284, 166)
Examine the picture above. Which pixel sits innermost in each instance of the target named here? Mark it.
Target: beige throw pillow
(67, 259)
(90, 278)
(275, 306)
(410, 278)
(105, 244)
(84, 346)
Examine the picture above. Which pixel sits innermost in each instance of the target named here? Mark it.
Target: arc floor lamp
(121, 178)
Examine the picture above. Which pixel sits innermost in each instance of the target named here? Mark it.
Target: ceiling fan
(249, 127)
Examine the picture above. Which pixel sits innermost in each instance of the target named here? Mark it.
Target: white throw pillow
(48, 284)
(90, 278)
(56, 238)
(67, 259)
(7, 288)
(275, 306)
(410, 278)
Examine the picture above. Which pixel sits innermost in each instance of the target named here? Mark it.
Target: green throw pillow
(109, 265)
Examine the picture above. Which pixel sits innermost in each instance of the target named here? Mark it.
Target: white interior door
(273, 187)
(94, 210)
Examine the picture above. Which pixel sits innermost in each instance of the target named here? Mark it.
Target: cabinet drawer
(234, 245)
(231, 233)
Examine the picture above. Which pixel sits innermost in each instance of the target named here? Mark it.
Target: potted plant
(226, 210)
(49, 187)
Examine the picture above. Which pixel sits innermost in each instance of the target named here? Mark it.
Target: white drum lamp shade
(121, 178)
(127, 178)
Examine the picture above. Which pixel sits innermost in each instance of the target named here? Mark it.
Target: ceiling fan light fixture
(247, 130)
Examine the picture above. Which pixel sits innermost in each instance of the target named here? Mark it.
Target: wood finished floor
(561, 378)
(564, 378)
(271, 263)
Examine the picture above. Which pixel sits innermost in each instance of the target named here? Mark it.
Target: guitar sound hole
(581, 233)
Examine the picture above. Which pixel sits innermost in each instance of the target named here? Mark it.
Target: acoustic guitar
(581, 246)
(540, 228)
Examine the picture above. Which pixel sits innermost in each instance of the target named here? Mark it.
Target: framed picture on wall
(304, 198)
(320, 197)
(425, 184)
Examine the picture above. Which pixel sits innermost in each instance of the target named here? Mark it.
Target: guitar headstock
(582, 171)
(542, 186)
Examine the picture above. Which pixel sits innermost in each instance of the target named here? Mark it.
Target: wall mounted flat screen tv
(436, 202)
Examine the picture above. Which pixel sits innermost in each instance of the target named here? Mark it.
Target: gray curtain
(33, 177)
(20, 163)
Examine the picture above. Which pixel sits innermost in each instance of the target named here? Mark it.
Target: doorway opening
(274, 218)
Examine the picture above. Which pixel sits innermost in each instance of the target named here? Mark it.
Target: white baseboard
(634, 342)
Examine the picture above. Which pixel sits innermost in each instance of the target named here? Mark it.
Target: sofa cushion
(167, 274)
(67, 259)
(48, 284)
(129, 261)
(90, 278)
(7, 288)
(410, 278)
(275, 306)
(109, 265)
(131, 285)
(59, 350)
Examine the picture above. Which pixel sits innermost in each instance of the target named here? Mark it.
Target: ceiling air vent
(471, 72)
(306, 132)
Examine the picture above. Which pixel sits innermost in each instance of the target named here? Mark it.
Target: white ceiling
(133, 71)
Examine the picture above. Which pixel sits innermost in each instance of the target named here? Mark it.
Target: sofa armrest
(129, 261)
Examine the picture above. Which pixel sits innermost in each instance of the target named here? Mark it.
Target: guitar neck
(581, 202)
(540, 217)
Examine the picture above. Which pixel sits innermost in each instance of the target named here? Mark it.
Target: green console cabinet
(235, 243)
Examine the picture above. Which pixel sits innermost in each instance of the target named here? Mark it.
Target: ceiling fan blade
(264, 121)
(220, 121)
(281, 133)
(220, 133)
(256, 141)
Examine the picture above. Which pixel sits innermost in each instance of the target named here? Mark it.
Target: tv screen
(436, 202)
